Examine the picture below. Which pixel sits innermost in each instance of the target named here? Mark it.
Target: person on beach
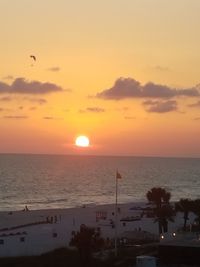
(26, 208)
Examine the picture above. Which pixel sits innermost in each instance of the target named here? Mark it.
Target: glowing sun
(82, 141)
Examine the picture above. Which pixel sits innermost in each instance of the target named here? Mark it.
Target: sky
(125, 73)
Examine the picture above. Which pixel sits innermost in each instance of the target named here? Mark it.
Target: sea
(63, 181)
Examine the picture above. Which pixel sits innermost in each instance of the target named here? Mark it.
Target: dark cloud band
(160, 106)
(22, 86)
(130, 88)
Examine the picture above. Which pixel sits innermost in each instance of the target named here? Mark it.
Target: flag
(118, 175)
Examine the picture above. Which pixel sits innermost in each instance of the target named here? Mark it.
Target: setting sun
(82, 141)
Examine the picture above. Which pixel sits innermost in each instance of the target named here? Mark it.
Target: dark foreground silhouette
(71, 258)
(58, 258)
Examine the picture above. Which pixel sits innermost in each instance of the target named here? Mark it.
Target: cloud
(22, 86)
(150, 102)
(123, 109)
(194, 105)
(95, 109)
(6, 98)
(8, 77)
(197, 118)
(52, 118)
(129, 118)
(48, 118)
(130, 88)
(32, 108)
(54, 69)
(40, 101)
(123, 88)
(161, 68)
(92, 109)
(15, 117)
(160, 106)
(5, 109)
(81, 111)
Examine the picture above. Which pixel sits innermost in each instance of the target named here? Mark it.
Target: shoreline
(139, 203)
(88, 205)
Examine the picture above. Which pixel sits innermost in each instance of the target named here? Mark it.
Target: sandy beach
(44, 230)
(90, 215)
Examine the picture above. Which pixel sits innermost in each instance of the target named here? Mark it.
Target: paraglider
(33, 57)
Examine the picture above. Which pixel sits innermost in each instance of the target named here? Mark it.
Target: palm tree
(163, 210)
(196, 209)
(87, 240)
(163, 215)
(184, 205)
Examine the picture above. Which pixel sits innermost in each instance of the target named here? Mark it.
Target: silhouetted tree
(163, 215)
(185, 205)
(196, 209)
(163, 211)
(87, 240)
(158, 196)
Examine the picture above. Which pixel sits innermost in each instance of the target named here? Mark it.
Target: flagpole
(116, 195)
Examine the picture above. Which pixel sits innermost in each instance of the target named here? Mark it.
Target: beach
(33, 232)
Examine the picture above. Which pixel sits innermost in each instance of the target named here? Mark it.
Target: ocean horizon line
(102, 155)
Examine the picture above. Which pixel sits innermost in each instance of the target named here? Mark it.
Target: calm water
(44, 181)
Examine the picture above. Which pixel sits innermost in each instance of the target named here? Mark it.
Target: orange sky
(123, 73)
